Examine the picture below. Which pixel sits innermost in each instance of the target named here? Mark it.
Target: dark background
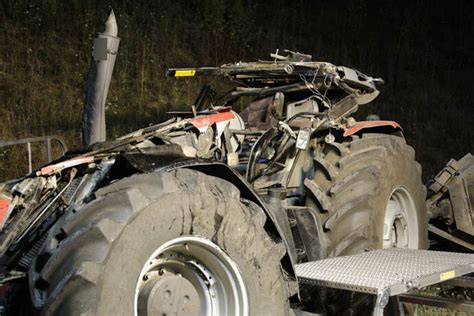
(423, 50)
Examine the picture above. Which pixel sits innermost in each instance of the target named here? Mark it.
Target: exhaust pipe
(104, 52)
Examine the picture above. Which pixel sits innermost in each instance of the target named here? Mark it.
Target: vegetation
(422, 49)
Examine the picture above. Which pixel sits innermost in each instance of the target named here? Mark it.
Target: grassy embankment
(45, 48)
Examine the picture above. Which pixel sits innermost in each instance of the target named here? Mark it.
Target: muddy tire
(94, 260)
(366, 193)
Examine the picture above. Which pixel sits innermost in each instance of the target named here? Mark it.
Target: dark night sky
(423, 50)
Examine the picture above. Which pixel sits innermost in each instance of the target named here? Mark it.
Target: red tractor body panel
(359, 126)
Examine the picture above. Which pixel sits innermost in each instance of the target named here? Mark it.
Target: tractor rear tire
(366, 194)
(104, 259)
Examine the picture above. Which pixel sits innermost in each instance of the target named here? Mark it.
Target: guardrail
(46, 140)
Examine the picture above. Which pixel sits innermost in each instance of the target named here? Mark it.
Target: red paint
(348, 131)
(208, 120)
(4, 204)
(65, 164)
(4, 289)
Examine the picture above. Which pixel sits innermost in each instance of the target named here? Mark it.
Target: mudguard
(221, 170)
(367, 125)
(139, 162)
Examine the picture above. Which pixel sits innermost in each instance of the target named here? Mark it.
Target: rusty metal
(436, 301)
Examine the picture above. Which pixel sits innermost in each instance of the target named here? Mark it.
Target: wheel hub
(169, 294)
(190, 276)
(400, 221)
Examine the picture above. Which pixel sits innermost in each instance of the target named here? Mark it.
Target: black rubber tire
(352, 184)
(92, 258)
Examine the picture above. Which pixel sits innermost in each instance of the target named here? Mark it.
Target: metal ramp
(386, 272)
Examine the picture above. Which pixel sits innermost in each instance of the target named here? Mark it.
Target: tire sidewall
(170, 217)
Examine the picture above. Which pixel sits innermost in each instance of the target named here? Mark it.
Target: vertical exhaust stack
(104, 52)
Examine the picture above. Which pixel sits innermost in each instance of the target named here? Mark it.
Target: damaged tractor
(214, 212)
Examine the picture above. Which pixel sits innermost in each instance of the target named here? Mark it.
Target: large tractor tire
(367, 194)
(176, 243)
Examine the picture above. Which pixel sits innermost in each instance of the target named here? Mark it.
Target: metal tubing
(57, 139)
(46, 140)
(458, 305)
(47, 145)
(30, 163)
(105, 50)
(435, 230)
(463, 281)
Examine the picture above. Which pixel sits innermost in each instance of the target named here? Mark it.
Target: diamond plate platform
(386, 272)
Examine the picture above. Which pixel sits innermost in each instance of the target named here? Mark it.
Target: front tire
(147, 244)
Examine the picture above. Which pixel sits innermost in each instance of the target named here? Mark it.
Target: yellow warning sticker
(447, 275)
(185, 73)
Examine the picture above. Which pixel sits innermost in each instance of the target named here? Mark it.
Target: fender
(223, 171)
(368, 125)
(130, 163)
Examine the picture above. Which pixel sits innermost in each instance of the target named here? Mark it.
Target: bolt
(350, 122)
(289, 69)
(329, 138)
(186, 299)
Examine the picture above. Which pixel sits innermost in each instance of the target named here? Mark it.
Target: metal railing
(46, 140)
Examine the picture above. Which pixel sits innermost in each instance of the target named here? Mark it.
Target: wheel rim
(400, 221)
(190, 275)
